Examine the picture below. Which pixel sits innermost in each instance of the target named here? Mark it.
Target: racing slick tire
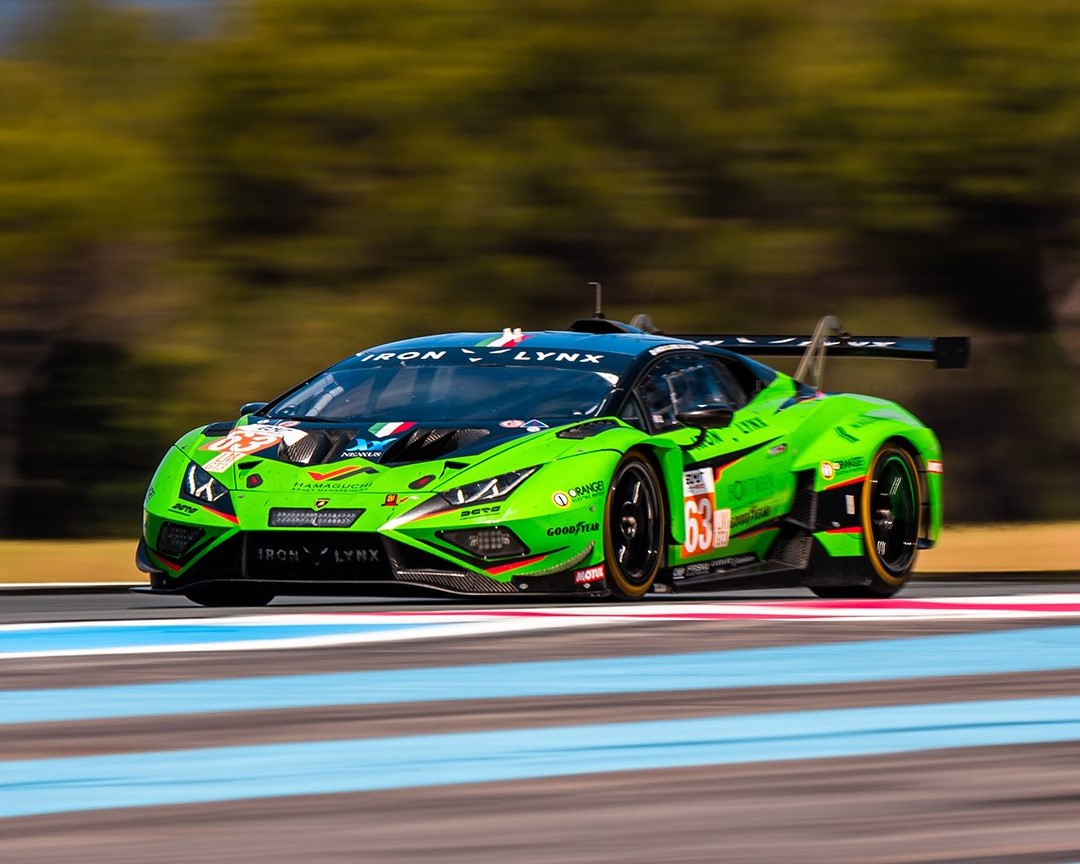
(229, 595)
(889, 509)
(634, 528)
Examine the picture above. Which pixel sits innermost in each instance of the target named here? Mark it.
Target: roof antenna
(599, 306)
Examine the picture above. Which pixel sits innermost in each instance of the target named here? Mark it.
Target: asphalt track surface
(943, 726)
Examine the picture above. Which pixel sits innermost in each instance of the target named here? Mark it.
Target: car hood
(377, 456)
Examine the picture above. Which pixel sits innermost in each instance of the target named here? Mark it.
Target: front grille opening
(302, 517)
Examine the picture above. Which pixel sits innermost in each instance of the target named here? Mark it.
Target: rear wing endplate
(830, 338)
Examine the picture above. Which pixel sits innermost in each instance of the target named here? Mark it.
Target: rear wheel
(890, 506)
(634, 528)
(229, 595)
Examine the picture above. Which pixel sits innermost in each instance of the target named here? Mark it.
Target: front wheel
(634, 528)
(890, 506)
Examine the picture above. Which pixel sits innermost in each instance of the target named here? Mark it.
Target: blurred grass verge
(1012, 548)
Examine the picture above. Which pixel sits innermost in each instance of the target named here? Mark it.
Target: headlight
(199, 485)
(492, 489)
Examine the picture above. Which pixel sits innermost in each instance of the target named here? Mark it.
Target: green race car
(600, 461)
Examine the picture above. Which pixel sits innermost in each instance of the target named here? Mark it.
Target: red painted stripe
(845, 483)
(337, 472)
(174, 567)
(851, 529)
(226, 516)
(502, 568)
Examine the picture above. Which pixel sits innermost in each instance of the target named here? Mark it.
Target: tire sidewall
(880, 570)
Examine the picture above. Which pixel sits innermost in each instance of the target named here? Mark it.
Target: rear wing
(830, 338)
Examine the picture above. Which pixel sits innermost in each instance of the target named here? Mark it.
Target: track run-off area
(941, 725)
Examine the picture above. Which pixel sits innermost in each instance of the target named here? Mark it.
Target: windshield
(447, 394)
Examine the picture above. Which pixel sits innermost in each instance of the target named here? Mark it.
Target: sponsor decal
(560, 499)
(390, 501)
(364, 449)
(754, 514)
(321, 502)
(935, 467)
(554, 356)
(851, 463)
(512, 424)
(535, 425)
(660, 349)
(315, 488)
(186, 509)
(707, 527)
(777, 450)
(223, 462)
(304, 555)
(385, 430)
(485, 510)
(751, 424)
(847, 436)
(588, 490)
(149, 494)
(401, 355)
(473, 355)
(751, 486)
(338, 473)
(842, 466)
(253, 438)
(589, 575)
(571, 530)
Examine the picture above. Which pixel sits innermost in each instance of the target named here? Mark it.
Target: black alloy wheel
(634, 528)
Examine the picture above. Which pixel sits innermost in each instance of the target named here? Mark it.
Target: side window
(678, 384)
(632, 416)
(655, 394)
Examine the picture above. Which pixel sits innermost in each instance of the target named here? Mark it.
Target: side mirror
(703, 418)
(707, 417)
(252, 407)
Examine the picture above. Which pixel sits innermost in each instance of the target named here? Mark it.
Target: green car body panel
(766, 495)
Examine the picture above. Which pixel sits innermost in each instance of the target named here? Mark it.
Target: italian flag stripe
(384, 430)
(506, 340)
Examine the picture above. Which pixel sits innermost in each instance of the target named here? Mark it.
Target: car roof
(622, 344)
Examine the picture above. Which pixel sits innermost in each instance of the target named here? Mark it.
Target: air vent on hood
(215, 430)
(317, 447)
(422, 444)
(587, 430)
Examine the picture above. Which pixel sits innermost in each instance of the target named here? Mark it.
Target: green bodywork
(558, 512)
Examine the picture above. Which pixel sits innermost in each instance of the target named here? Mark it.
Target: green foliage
(314, 175)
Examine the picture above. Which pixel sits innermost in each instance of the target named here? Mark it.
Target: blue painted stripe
(1010, 651)
(102, 637)
(33, 787)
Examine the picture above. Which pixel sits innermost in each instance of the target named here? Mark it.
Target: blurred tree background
(201, 204)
